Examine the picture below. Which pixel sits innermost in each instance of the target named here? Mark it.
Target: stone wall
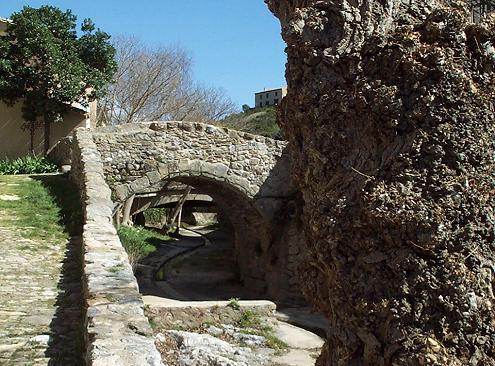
(117, 332)
(136, 156)
(246, 175)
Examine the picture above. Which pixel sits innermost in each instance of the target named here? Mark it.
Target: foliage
(48, 67)
(252, 323)
(139, 242)
(249, 319)
(48, 208)
(30, 164)
(155, 216)
(154, 84)
(258, 121)
(234, 303)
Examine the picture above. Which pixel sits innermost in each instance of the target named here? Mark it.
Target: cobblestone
(40, 301)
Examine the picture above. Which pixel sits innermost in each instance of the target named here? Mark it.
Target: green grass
(234, 303)
(251, 323)
(30, 164)
(249, 319)
(259, 121)
(116, 268)
(48, 208)
(139, 242)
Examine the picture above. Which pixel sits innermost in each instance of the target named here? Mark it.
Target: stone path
(194, 273)
(192, 270)
(40, 301)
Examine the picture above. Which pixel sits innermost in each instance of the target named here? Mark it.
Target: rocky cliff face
(390, 119)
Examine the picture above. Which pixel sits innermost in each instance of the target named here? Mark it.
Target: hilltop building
(15, 141)
(269, 97)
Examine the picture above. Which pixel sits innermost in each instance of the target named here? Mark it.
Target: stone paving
(40, 301)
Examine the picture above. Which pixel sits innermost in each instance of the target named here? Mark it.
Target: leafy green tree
(47, 66)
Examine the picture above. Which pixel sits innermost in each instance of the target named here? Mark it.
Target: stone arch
(251, 170)
(184, 168)
(249, 228)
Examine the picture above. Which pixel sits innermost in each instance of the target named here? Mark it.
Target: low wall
(169, 314)
(117, 331)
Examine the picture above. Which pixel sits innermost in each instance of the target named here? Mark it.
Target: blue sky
(235, 44)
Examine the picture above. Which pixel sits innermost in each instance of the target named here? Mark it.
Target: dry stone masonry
(246, 175)
(136, 156)
(117, 332)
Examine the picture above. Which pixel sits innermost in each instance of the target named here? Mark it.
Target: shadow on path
(66, 346)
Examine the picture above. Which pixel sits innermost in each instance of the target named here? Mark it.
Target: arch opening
(229, 257)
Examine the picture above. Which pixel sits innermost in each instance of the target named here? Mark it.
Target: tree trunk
(47, 132)
(32, 130)
(390, 120)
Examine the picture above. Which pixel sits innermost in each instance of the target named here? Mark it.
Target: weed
(251, 323)
(249, 319)
(139, 242)
(273, 341)
(211, 323)
(116, 268)
(234, 303)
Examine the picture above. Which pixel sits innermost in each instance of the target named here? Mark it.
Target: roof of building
(269, 90)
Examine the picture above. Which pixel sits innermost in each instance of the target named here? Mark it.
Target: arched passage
(247, 176)
(247, 228)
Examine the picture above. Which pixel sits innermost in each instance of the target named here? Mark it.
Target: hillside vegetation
(259, 121)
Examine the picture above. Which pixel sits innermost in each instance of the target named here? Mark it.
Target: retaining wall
(117, 332)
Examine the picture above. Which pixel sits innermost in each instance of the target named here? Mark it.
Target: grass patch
(30, 164)
(234, 303)
(249, 319)
(117, 268)
(258, 121)
(48, 208)
(139, 242)
(251, 323)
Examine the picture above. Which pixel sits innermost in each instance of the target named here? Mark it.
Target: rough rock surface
(116, 330)
(390, 121)
(206, 350)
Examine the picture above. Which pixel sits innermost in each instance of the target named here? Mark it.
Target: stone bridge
(245, 175)
(145, 156)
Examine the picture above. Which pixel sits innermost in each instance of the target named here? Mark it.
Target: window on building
(267, 103)
(276, 94)
(275, 101)
(261, 104)
(261, 96)
(267, 95)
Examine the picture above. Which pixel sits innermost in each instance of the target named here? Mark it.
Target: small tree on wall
(48, 67)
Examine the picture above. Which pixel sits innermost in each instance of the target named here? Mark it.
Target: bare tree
(156, 84)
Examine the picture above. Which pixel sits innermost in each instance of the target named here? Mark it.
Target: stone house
(15, 142)
(269, 97)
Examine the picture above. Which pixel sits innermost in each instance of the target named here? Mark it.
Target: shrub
(139, 242)
(30, 164)
(155, 216)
